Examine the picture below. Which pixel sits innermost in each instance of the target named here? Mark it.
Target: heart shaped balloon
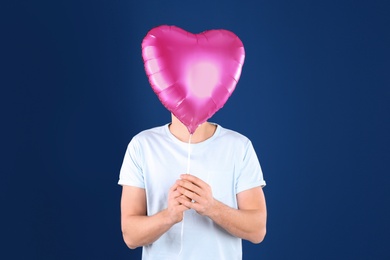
(193, 75)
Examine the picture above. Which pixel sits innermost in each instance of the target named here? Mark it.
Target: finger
(177, 194)
(185, 202)
(189, 194)
(174, 187)
(183, 208)
(181, 199)
(195, 180)
(185, 197)
(190, 186)
(190, 178)
(189, 204)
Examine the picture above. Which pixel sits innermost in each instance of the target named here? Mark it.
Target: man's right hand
(175, 209)
(138, 228)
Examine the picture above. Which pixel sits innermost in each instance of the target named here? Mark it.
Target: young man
(200, 215)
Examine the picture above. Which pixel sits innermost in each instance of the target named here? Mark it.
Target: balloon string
(189, 154)
(188, 171)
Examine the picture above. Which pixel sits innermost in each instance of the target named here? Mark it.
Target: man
(200, 215)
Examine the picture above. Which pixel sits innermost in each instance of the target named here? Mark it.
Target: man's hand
(175, 206)
(197, 194)
(138, 228)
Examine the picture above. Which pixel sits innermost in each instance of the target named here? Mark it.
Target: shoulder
(147, 137)
(234, 138)
(228, 134)
(150, 133)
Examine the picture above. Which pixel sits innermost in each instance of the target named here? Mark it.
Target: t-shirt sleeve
(250, 174)
(131, 173)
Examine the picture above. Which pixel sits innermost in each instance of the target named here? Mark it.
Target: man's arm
(247, 222)
(138, 229)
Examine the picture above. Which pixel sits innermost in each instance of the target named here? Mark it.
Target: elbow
(129, 241)
(259, 231)
(131, 246)
(258, 236)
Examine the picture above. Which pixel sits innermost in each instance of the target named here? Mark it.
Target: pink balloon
(193, 75)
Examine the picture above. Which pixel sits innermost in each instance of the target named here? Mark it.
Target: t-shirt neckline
(200, 144)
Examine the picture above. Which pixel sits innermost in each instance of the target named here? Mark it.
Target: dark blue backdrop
(313, 97)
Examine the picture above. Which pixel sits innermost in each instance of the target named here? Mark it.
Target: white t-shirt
(154, 160)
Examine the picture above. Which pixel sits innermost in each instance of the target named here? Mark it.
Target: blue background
(313, 97)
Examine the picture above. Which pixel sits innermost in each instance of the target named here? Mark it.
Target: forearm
(143, 230)
(246, 224)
